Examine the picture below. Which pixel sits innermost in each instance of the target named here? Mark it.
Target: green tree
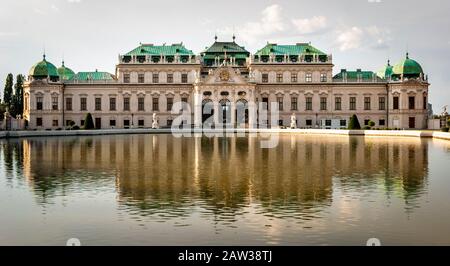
(2, 110)
(18, 94)
(88, 122)
(17, 99)
(8, 91)
(354, 123)
(448, 122)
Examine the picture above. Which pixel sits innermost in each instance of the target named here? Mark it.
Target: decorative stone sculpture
(155, 124)
(444, 111)
(293, 121)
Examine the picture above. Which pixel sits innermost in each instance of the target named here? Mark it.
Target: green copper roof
(150, 49)
(386, 71)
(43, 69)
(222, 47)
(96, 75)
(407, 67)
(65, 73)
(298, 49)
(353, 75)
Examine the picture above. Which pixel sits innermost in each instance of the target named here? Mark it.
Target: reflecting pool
(162, 190)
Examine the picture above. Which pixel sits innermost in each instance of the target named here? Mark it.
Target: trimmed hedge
(354, 123)
(88, 122)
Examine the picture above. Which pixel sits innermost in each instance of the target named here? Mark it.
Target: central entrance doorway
(225, 112)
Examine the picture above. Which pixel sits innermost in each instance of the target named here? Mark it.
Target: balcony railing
(162, 59)
(289, 59)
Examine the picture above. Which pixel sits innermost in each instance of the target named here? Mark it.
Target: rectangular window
(294, 78)
(412, 102)
(169, 122)
(169, 78)
(169, 104)
(308, 103)
(155, 78)
(366, 122)
(425, 103)
(39, 121)
(396, 103)
(328, 123)
(112, 123)
(55, 123)
(98, 123)
(279, 77)
(69, 104)
(382, 122)
(184, 99)
(323, 103)
(343, 123)
(280, 103)
(155, 104)
(352, 103)
(83, 104)
(126, 104)
(39, 104)
(366, 103)
(323, 77)
(265, 103)
(98, 104)
(308, 122)
(184, 78)
(81, 123)
(126, 123)
(382, 103)
(338, 103)
(265, 78)
(141, 104)
(112, 104)
(141, 78)
(54, 103)
(294, 103)
(308, 77)
(140, 123)
(126, 78)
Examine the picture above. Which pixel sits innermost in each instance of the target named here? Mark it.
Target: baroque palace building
(297, 78)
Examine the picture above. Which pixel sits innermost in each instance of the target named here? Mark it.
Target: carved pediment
(225, 75)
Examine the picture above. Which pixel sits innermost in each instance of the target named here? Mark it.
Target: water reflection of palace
(157, 174)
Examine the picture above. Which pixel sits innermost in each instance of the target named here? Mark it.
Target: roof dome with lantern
(43, 70)
(408, 68)
(65, 73)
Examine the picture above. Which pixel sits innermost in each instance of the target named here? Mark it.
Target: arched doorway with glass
(241, 113)
(207, 112)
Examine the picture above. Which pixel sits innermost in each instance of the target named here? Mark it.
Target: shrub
(448, 122)
(371, 123)
(88, 122)
(72, 123)
(445, 129)
(354, 123)
(367, 128)
(75, 127)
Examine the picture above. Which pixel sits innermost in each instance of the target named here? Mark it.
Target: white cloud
(74, 1)
(311, 25)
(271, 22)
(350, 39)
(357, 37)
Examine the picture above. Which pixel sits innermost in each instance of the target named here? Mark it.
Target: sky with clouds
(89, 34)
